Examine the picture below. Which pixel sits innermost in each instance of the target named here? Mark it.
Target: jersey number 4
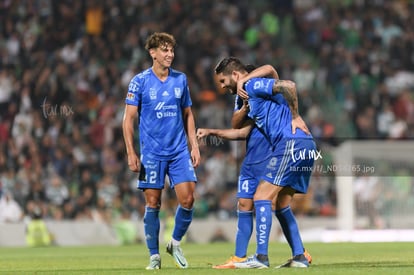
(244, 186)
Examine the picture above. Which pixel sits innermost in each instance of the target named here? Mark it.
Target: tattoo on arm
(288, 90)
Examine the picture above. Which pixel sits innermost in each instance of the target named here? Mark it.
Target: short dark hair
(249, 67)
(158, 39)
(229, 64)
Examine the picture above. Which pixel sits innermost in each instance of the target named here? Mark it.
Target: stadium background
(65, 66)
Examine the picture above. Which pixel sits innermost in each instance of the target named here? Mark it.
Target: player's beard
(232, 87)
(230, 91)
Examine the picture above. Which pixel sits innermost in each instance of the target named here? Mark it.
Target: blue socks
(290, 230)
(244, 232)
(263, 225)
(183, 218)
(152, 229)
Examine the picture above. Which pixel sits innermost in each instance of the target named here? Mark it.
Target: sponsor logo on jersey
(159, 106)
(162, 106)
(165, 110)
(166, 114)
(130, 96)
(151, 166)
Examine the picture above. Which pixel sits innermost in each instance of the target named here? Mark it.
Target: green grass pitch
(333, 258)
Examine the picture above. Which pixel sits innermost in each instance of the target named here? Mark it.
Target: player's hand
(246, 105)
(240, 91)
(298, 122)
(195, 157)
(201, 132)
(134, 163)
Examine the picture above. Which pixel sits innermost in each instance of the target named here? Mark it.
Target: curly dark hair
(158, 39)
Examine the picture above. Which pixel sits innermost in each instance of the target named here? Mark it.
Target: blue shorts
(291, 164)
(153, 171)
(249, 179)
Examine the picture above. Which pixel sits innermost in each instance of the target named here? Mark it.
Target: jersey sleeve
(186, 98)
(278, 98)
(238, 103)
(260, 87)
(133, 95)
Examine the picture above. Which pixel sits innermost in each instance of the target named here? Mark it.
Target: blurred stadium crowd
(65, 66)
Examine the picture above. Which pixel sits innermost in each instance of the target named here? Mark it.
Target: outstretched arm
(231, 134)
(286, 87)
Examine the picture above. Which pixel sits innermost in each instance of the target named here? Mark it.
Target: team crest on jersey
(177, 92)
(272, 163)
(152, 93)
(130, 96)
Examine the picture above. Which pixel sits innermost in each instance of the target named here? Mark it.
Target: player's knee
(283, 202)
(153, 202)
(279, 206)
(245, 205)
(187, 202)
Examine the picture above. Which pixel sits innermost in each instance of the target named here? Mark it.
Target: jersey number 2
(152, 177)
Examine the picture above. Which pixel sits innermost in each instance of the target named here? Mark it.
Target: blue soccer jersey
(257, 146)
(160, 104)
(271, 113)
(292, 155)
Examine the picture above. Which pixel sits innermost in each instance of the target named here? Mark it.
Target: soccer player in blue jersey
(289, 167)
(257, 151)
(159, 97)
(257, 148)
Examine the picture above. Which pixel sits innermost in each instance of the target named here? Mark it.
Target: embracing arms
(285, 87)
(231, 134)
